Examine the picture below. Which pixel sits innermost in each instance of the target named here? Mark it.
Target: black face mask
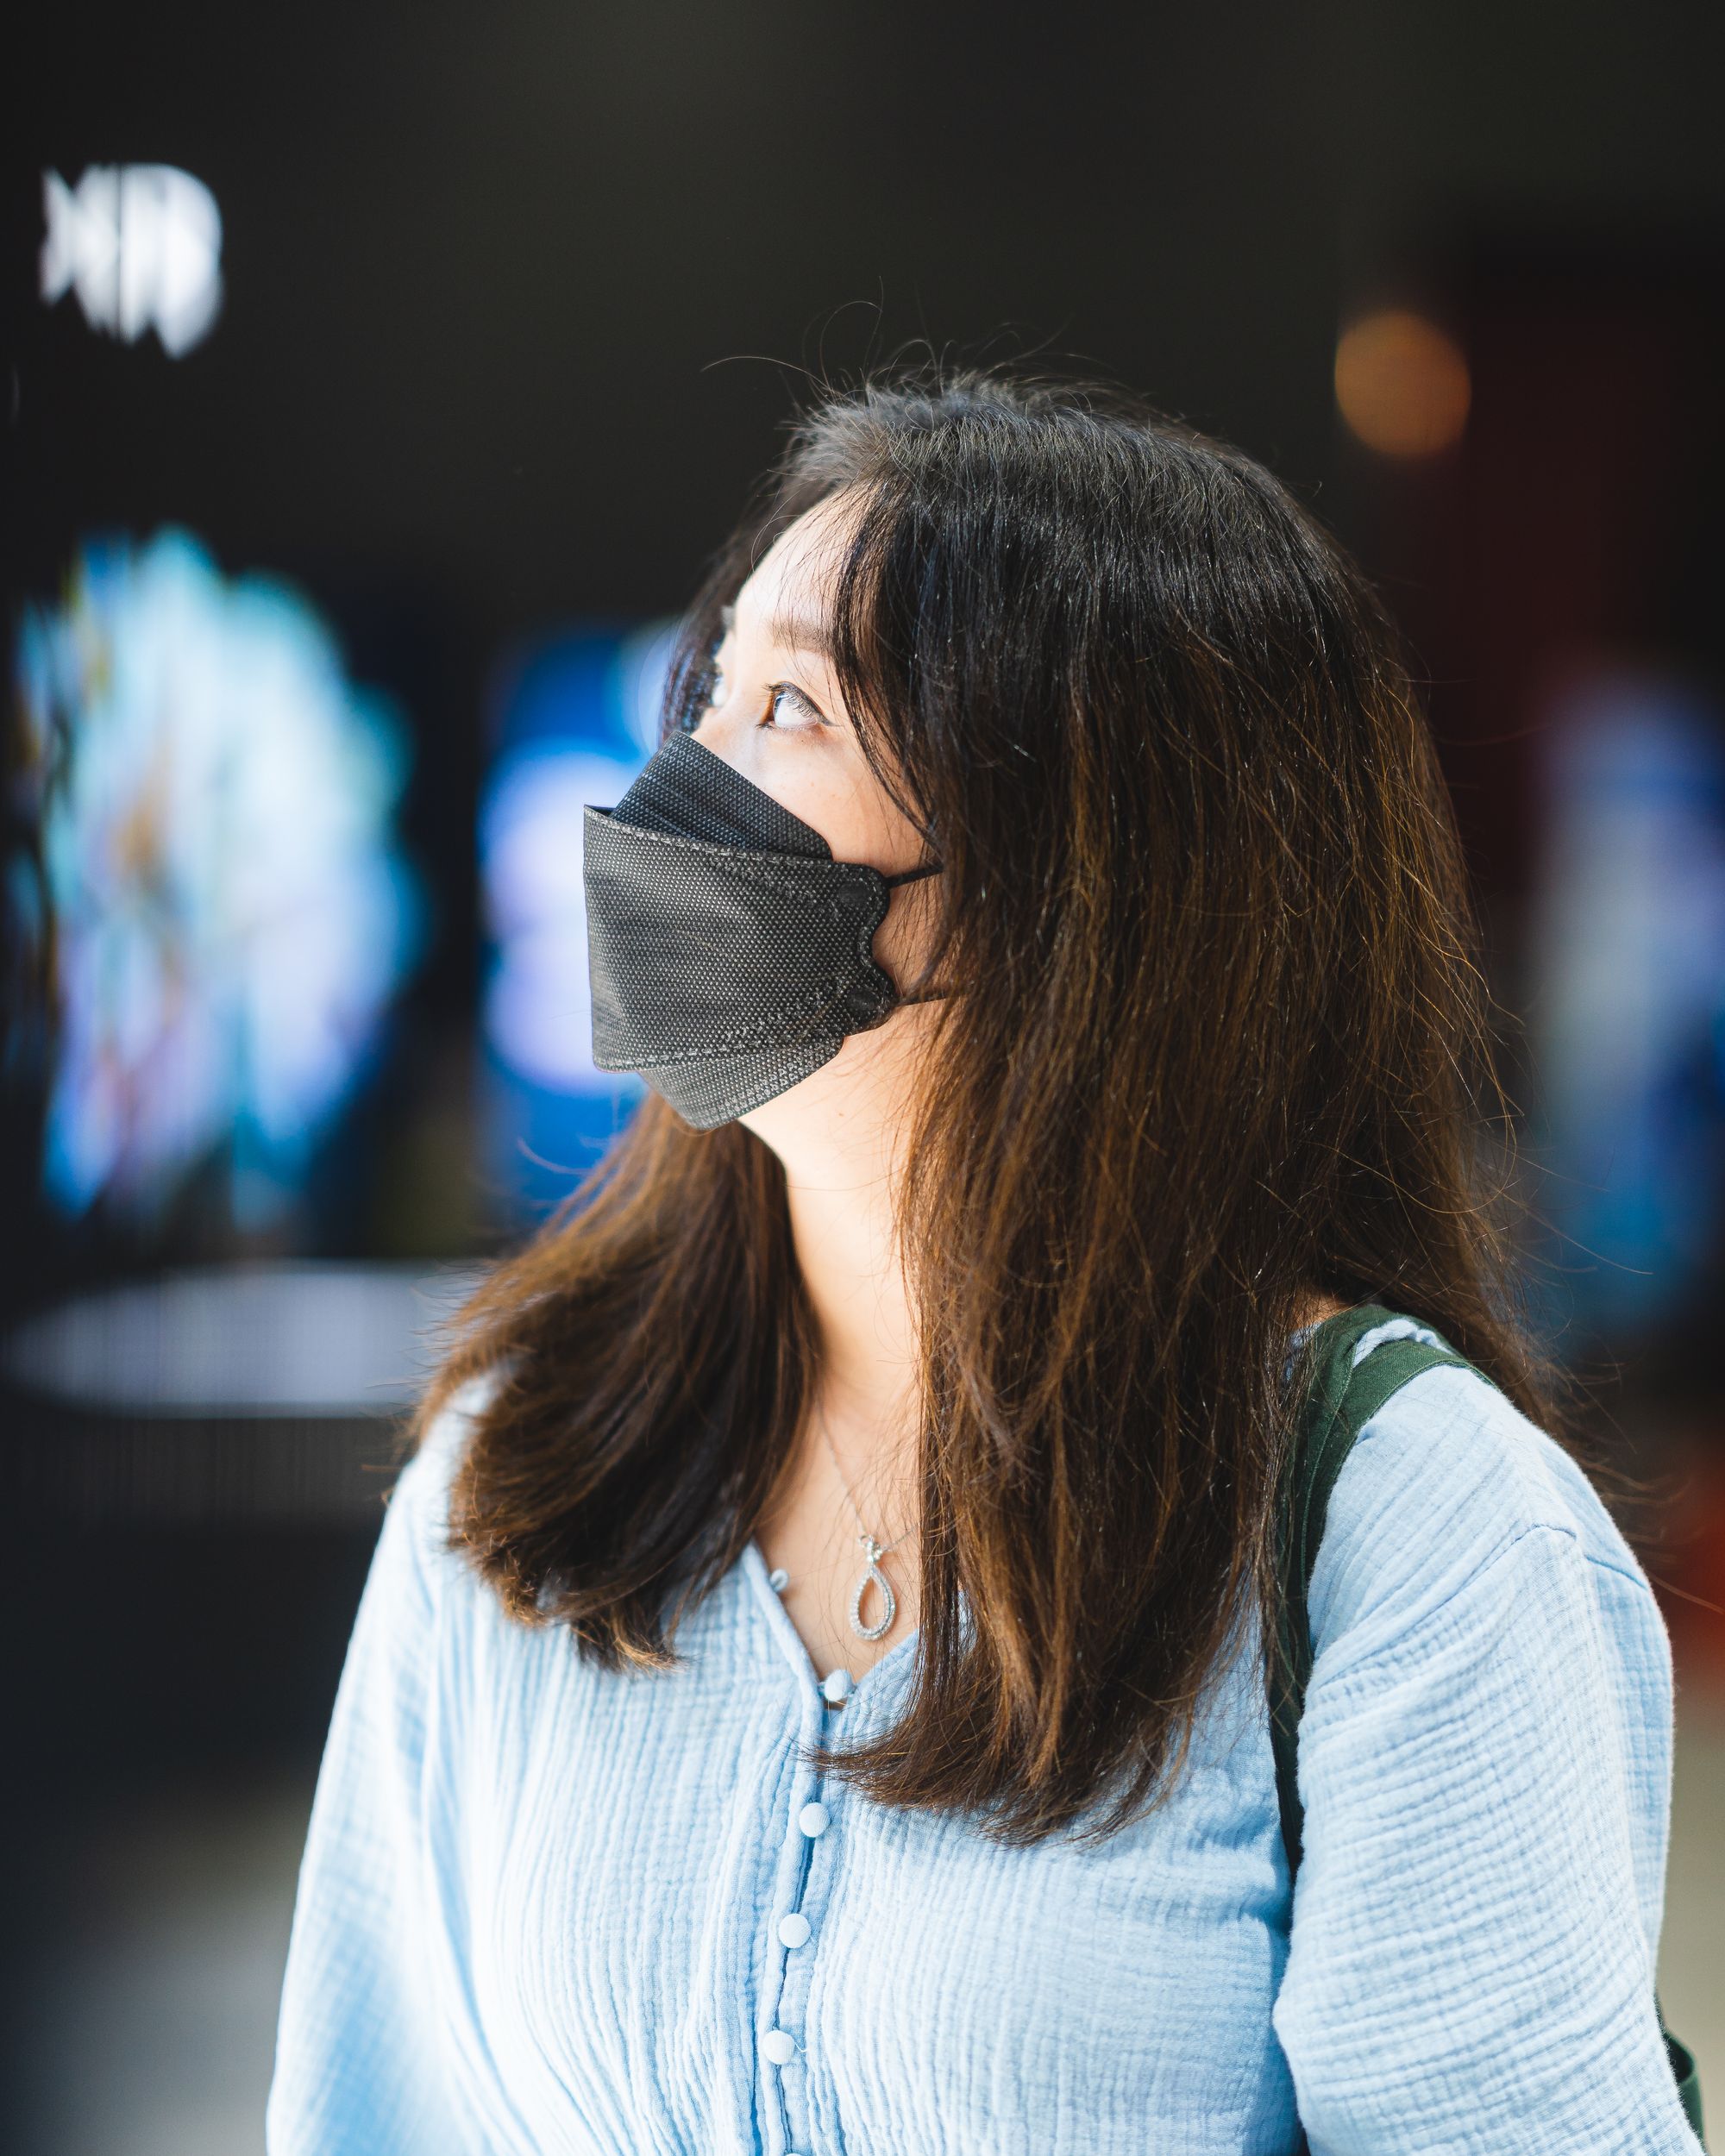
(728, 953)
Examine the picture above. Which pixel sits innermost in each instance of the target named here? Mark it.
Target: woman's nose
(712, 731)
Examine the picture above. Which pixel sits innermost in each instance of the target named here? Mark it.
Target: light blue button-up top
(545, 1910)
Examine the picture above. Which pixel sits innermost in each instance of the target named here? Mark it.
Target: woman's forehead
(788, 595)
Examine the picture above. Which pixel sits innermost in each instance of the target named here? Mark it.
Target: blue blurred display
(209, 883)
(1628, 998)
(577, 714)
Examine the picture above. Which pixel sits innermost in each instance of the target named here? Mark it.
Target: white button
(778, 1579)
(793, 1929)
(779, 2047)
(838, 1685)
(813, 1819)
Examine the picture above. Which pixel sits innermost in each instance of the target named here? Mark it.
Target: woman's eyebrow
(801, 632)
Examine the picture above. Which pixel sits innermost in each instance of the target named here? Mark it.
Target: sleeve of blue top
(355, 2067)
(1485, 1767)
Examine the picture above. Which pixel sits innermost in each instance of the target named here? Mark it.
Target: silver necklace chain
(873, 1551)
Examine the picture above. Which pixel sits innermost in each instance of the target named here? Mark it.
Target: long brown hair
(1220, 1039)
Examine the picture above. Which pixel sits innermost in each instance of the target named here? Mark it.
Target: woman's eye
(789, 711)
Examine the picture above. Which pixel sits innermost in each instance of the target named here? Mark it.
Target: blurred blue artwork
(1627, 1003)
(210, 879)
(576, 716)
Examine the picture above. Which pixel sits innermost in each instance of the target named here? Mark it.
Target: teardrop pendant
(888, 1602)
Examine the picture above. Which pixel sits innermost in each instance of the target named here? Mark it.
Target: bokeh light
(220, 911)
(1402, 384)
(578, 713)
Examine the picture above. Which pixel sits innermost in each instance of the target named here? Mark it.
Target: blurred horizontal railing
(260, 1392)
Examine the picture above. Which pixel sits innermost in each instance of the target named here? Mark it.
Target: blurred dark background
(377, 382)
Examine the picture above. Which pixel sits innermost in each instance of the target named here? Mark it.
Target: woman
(1043, 932)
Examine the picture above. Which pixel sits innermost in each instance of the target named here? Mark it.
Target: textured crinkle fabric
(542, 1908)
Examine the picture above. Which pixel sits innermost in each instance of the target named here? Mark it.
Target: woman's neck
(853, 1273)
(840, 1137)
(853, 1465)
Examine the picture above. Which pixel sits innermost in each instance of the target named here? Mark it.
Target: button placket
(806, 1873)
(795, 1932)
(779, 2039)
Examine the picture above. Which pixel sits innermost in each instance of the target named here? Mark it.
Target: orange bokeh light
(1402, 384)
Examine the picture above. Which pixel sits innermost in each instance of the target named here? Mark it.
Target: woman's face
(777, 717)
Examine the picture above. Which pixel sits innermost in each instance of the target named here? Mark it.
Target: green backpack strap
(1340, 1398)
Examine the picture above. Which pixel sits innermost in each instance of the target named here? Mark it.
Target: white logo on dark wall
(140, 246)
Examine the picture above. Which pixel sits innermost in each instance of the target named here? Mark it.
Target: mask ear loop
(915, 875)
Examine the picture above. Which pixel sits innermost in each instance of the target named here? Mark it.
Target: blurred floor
(153, 2023)
(1691, 1966)
(151, 2019)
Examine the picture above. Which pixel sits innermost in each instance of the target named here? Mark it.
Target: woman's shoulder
(1444, 1481)
(418, 1500)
